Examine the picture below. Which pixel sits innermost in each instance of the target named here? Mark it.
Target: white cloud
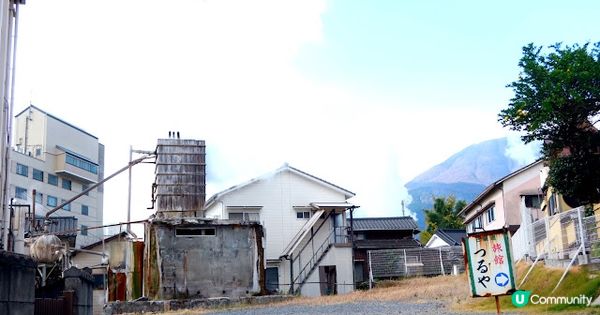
(520, 152)
(224, 71)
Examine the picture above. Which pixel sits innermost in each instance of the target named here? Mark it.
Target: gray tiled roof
(385, 224)
(452, 236)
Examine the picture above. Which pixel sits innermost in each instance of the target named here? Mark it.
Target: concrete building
(308, 247)
(186, 254)
(58, 160)
(499, 205)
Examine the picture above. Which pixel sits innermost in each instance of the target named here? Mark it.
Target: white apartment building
(59, 161)
(307, 248)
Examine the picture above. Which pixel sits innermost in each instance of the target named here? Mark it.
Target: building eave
(286, 167)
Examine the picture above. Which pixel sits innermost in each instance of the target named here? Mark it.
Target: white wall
(341, 257)
(436, 242)
(278, 195)
(93, 201)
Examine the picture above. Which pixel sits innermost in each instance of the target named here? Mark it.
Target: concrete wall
(17, 284)
(229, 263)
(81, 282)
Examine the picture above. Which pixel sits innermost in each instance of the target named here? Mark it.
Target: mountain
(464, 175)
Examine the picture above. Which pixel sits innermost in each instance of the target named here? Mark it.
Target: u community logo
(521, 298)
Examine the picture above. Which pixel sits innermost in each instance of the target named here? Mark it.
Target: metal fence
(564, 235)
(393, 263)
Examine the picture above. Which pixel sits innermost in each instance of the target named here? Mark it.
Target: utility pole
(402, 208)
(131, 151)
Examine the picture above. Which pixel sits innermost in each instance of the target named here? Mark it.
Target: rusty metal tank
(46, 248)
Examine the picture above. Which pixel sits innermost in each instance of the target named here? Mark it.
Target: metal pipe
(129, 190)
(33, 221)
(98, 227)
(8, 108)
(134, 162)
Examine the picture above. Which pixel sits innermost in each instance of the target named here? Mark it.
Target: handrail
(319, 228)
(311, 261)
(297, 239)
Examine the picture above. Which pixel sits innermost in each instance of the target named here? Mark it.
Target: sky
(364, 94)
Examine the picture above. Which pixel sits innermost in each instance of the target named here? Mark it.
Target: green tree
(557, 101)
(444, 214)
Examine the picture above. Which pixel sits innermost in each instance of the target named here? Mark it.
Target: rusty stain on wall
(187, 255)
(228, 263)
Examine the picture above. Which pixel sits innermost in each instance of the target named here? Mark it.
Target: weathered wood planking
(180, 175)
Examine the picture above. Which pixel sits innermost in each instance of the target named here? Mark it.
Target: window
(491, 215)
(99, 281)
(84, 209)
(81, 163)
(244, 216)
(52, 179)
(66, 207)
(20, 193)
(38, 151)
(302, 214)
(477, 224)
(84, 229)
(66, 184)
(244, 213)
(51, 201)
(84, 187)
(22, 170)
(195, 232)
(533, 201)
(39, 198)
(38, 175)
(552, 204)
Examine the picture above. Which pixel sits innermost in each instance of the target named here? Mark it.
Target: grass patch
(541, 281)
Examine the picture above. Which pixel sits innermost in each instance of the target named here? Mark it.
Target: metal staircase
(313, 262)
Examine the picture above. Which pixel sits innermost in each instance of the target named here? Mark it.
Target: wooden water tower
(180, 178)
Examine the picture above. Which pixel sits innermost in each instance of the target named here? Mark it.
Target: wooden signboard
(489, 263)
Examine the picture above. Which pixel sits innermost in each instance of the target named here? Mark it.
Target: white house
(307, 246)
(446, 237)
(499, 205)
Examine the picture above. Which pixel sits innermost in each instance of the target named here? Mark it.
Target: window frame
(51, 178)
(490, 210)
(40, 172)
(20, 192)
(69, 186)
(66, 207)
(22, 169)
(48, 198)
(87, 210)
